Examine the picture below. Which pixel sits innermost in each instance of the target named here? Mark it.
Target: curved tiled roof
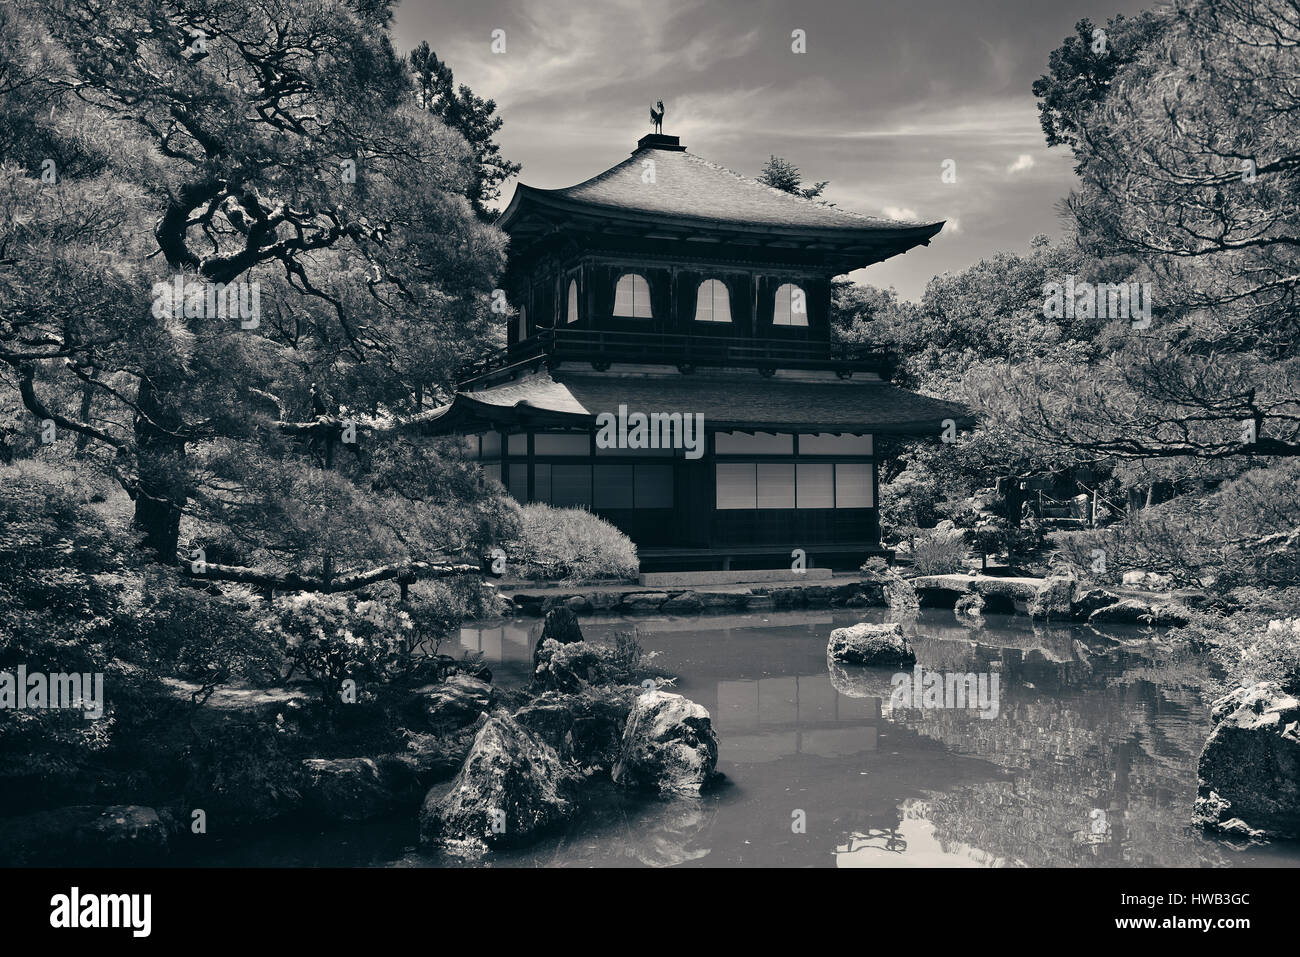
(688, 187)
(745, 401)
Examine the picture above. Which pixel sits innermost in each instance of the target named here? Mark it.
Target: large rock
(1054, 598)
(344, 789)
(687, 603)
(584, 728)
(644, 602)
(512, 787)
(868, 644)
(885, 586)
(668, 745)
(1150, 580)
(1134, 611)
(1086, 601)
(1249, 771)
(429, 758)
(457, 702)
(84, 835)
(561, 626)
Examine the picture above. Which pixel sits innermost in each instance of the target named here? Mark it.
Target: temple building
(669, 365)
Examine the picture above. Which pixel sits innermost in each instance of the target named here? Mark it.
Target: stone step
(738, 577)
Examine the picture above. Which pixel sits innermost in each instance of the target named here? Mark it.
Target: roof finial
(657, 116)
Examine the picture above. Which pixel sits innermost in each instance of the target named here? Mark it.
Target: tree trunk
(87, 403)
(160, 494)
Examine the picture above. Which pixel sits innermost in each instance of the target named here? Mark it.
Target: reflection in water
(1090, 761)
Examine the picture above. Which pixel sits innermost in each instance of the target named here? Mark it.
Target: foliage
(570, 544)
(1081, 70)
(268, 142)
(991, 538)
(469, 115)
(939, 551)
(1258, 641)
(1186, 163)
(1245, 533)
(785, 176)
(76, 596)
(330, 639)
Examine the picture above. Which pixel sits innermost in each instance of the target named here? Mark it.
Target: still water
(1089, 761)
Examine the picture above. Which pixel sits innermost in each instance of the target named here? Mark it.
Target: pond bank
(1039, 597)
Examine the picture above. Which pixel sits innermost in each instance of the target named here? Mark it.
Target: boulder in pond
(457, 702)
(668, 745)
(1134, 611)
(882, 585)
(869, 644)
(512, 787)
(686, 603)
(561, 626)
(1088, 600)
(84, 835)
(1054, 598)
(585, 728)
(344, 789)
(1249, 770)
(643, 602)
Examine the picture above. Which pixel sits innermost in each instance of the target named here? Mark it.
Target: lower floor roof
(741, 401)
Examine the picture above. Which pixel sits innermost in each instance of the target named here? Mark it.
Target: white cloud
(896, 212)
(1023, 162)
(952, 225)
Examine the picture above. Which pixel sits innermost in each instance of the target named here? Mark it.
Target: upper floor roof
(664, 191)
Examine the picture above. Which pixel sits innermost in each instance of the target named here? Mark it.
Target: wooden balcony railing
(602, 348)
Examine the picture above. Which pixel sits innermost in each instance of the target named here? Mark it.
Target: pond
(1084, 756)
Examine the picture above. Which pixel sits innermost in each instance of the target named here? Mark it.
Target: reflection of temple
(766, 719)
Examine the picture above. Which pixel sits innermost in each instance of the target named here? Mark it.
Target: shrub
(571, 544)
(939, 551)
(330, 639)
(909, 502)
(1257, 642)
(1245, 533)
(623, 662)
(74, 599)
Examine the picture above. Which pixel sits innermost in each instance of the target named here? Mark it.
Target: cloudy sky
(884, 94)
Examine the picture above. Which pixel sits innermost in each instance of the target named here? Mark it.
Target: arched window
(632, 297)
(791, 306)
(523, 323)
(573, 300)
(712, 303)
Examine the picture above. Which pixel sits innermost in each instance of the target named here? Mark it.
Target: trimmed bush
(571, 544)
